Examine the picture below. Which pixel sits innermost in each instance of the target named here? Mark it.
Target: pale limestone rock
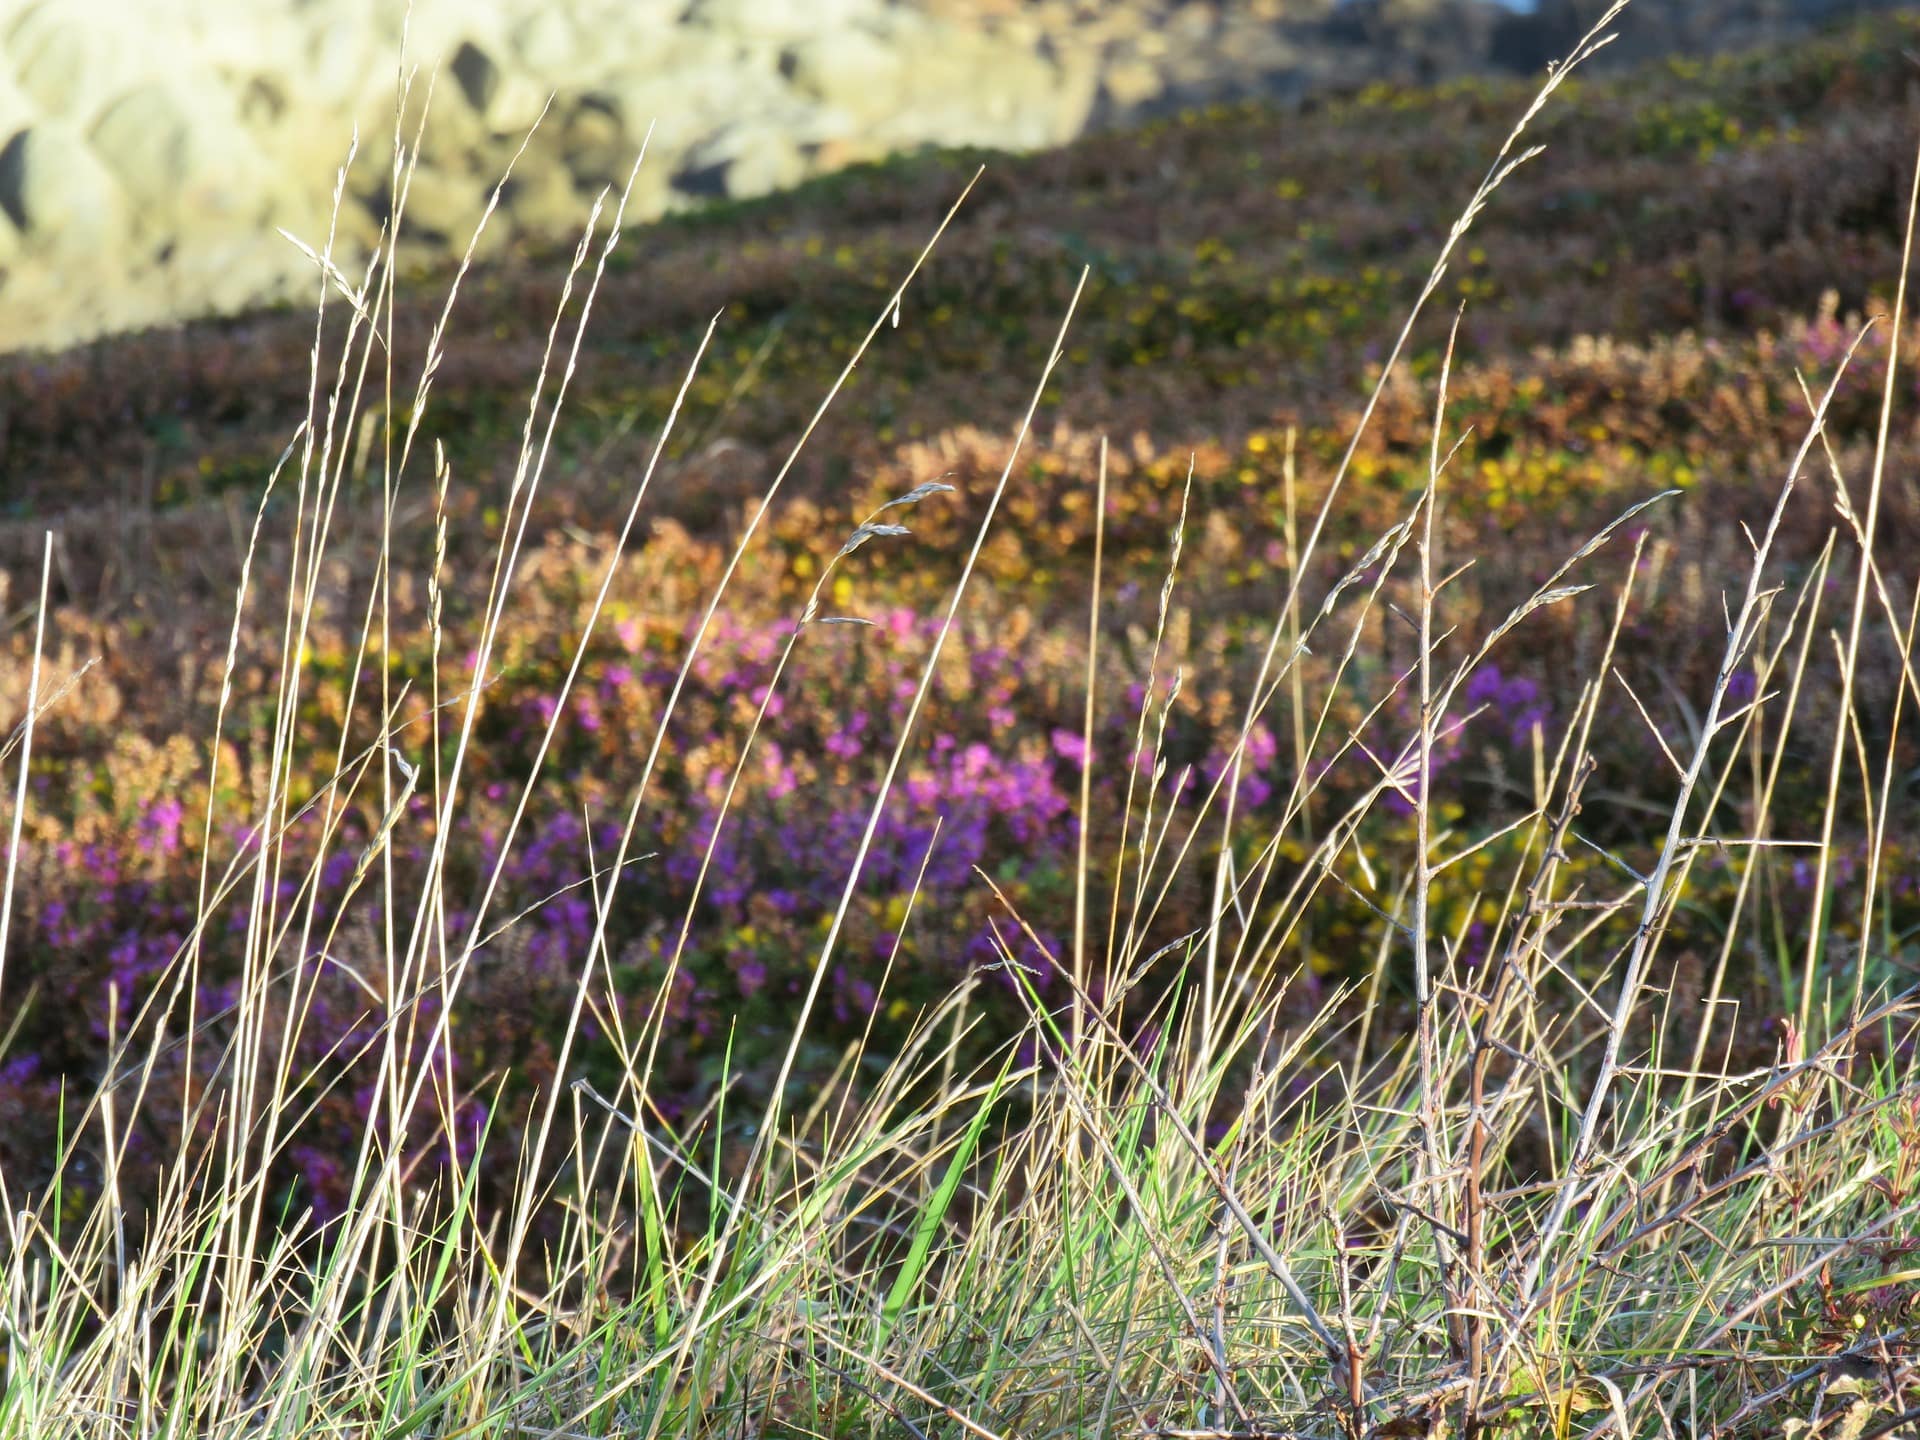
(59, 60)
(541, 200)
(181, 159)
(780, 19)
(742, 162)
(853, 69)
(337, 60)
(506, 98)
(17, 110)
(682, 105)
(1133, 82)
(638, 34)
(444, 203)
(57, 193)
(519, 104)
(546, 40)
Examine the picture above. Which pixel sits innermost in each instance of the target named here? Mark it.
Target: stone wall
(151, 149)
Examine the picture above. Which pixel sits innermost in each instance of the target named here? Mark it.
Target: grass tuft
(1331, 929)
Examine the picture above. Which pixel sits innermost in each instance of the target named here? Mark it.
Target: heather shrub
(768, 923)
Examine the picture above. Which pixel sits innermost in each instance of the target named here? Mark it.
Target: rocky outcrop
(146, 164)
(150, 152)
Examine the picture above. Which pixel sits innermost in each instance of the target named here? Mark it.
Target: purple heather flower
(160, 826)
(750, 974)
(1515, 701)
(1071, 748)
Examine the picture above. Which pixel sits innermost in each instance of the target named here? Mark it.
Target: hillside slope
(1635, 305)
